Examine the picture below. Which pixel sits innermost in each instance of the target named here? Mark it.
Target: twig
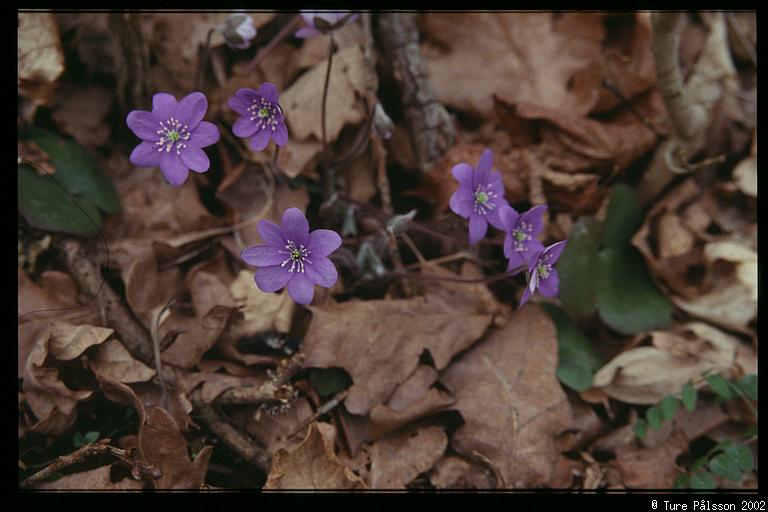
(328, 171)
(233, 438)
(323, 409)
(415, 250)
(274, 390)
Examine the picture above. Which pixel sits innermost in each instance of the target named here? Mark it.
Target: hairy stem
(328, 173)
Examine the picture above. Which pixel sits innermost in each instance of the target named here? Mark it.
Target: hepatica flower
(238, 31)
(261, 116)
(323, 22)
(520, 244)
(480, 196)
(542, 274)
(292, 256)
(173, 136)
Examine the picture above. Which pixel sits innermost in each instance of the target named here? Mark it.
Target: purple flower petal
(495, 184)
(534, 217)
(145, 155)
(478, 226)
(205, 134)
(260, 140)
(295, 226)
(462, 202)
(309, 16)
(144, 125)
(301, 289)
(493, 217)
(322, 272)
(244, 127)
(271, 233)
(508, 217)
(463, 174)
(525, 297)
(191, 109)
(323, 242)
(269, 91)
(516, 260)
(263, 256)
(163, 105)
(306, 32)
(553, 252)
(280, 135)
(272, 279)
(247, 96)
(486, 162)
(195, 158)
(173, 168)
(551, 285)
(238, 105)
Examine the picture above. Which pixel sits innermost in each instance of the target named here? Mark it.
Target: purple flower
(542, 274)
(262, 118)
(480, 196)
(323, 22)
(293, 257)
(173, 136)
(238, 31)
(520, 244)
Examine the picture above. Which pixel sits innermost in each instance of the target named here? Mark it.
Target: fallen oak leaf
(398, 458)
(111, 361)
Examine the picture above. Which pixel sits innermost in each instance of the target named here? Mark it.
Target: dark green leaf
(640, 428)
(723, 465)
(681, 482)
(622, 217)
(689, 396)
(75, 169)
(91, 437)
(748, 385)
(78, 440)
(742, 456)
(654, 417)
(702, 480)
(719, 385)
(751, 431)
(577, 268)
(669, 406)
(46, 206)
(329, 381)
(627, 299)
(577, 357)
(699, 463)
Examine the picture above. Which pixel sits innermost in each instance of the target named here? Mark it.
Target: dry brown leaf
(111, 361)
(452, 472)
(645, 375)
(123, 394)
(270, 431)
(653, 468)
(81, 113)
(691, 424)
(350, 82)
(311, 465)
(146, 286)
(69, 341)
(98, 479)
(261, 311)
(398, 458)
(379, 342)
(162, 445)
(541, 58)
(412, 389)
(385, 419)
(315, 49)
(40, 57)
(511, 401)
(745, 172)
(214, 384)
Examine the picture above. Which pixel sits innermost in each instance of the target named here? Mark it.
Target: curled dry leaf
(540, 58)
(261, 311)
(162, 445)
(379, 342)
(98, 479)
(40, 57)
(452, 472)
(111, 361)
(311, 465)
(213, 384)
(645, 375)
(653, 468)
(146, 286)
(271, 430)
(507, 391)
(398, 458)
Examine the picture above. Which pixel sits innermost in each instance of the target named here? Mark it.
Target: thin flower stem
(328, 174)
(284, 32)
(204, 59)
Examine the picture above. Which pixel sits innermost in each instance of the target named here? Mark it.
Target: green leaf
(627, 299)
(329, 381)
(577, 357)
(91, 437)
(742, 456)
(702, 480)
(699, 463)
(76, 170)
(689, 396)
(577, 268)
(719, 385)
(748, 385)
(669, 406)
(622, 217)
(78, 440)
(640, 428)
(723, 465)
(681, 482)
(46, 206)
(654, 417)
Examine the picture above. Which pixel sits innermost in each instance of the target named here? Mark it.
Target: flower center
(297, 256)
(521, 234)
(543, 269)
(172, 133)
(265, 113)
(482, 197)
